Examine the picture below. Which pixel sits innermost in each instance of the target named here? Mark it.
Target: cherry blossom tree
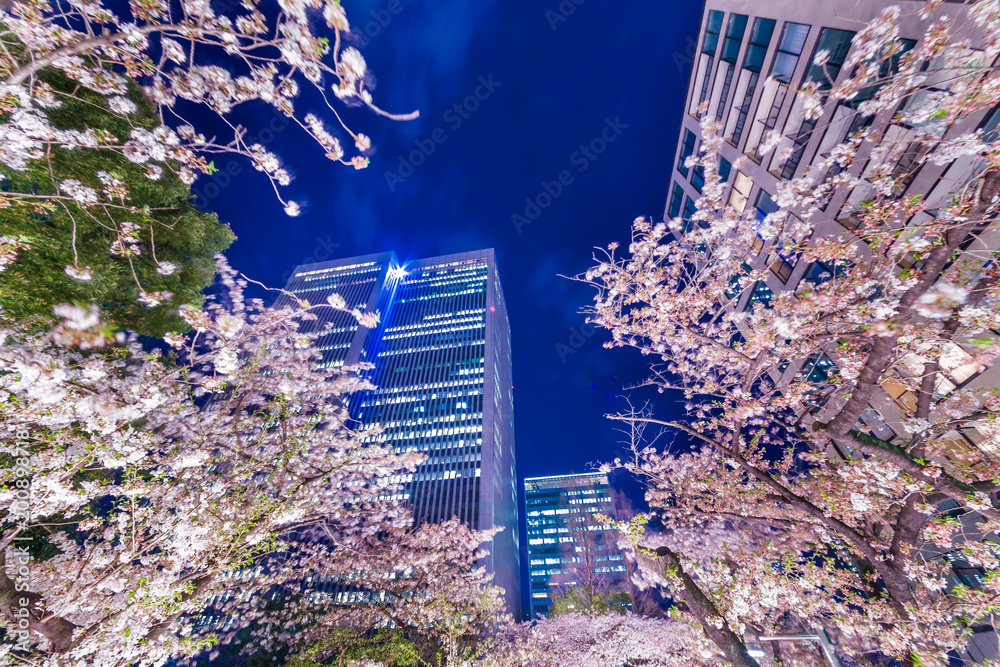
(427, 583)
(775, 393)
(609, 640)
(192, 62)
(137, 486)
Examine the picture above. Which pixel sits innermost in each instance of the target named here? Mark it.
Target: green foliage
(578, 600)
(183, 235)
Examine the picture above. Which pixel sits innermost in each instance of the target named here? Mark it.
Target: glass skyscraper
(442, 367)
(568, 546)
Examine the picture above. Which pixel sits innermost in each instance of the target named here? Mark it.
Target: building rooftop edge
(596, 473)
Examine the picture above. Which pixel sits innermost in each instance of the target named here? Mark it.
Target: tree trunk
(703, 608)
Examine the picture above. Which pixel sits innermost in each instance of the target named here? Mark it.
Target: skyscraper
(442, 366)
(568, 546)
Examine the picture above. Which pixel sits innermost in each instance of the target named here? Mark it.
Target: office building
(750, 62)
(442, 367)
(747, 71)
(567, 545)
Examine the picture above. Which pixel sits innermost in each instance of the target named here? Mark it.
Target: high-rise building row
(441, 361)
(568, 546)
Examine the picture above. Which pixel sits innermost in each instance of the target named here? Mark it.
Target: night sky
(551, 77)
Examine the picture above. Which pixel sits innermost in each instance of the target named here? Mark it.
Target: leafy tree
(183, 55)
(169, 251)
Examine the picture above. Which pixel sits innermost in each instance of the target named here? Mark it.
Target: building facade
(442, 367)
(567, 545)
(750, 62)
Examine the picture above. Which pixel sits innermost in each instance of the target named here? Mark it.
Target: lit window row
(442, 295)
(473, 316)
(432, 348)
(425, 420)
(334, 269)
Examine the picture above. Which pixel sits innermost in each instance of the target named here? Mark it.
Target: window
(687, 150)
(837, 43)
(741, 191)
(783, 264)
(734, 37)
(818, 368)
(725, 167)
(730, 52)
(734, 289)
(762, 294)
(698, 178)
(820, 272)
(675, 201)
(887, 67)
(990, 131)
(903, 397)
(765, 205)
(712, 30)
(689, 211)
(760, 38)
(793, 38)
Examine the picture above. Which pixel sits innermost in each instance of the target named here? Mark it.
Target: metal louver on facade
(441, 352)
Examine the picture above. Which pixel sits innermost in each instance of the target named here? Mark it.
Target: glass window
(712, 30)
(687, 150)
(765, 206)
(820, 272)
(818, 368)
(783, 265)
(698, 178)
(887, 67)
(760, 38)
(725, 167)
(793, 38)
(741, 191)
(734, 37)
(762, 294)
(837, 43)
(734, 283)
(689, 210)
(990, 131)
(675, 201)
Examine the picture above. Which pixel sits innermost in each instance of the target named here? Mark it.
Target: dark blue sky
(620, 65)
